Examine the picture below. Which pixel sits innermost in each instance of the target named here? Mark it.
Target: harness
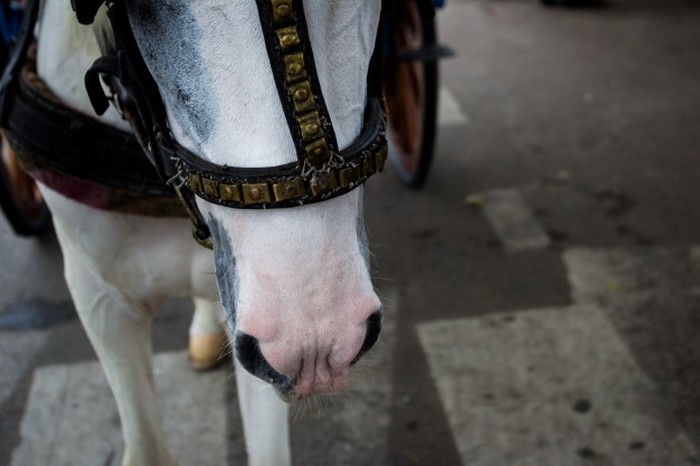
(321, 171)
(73, 153)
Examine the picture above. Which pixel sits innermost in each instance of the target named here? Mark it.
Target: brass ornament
(318, 153)
(310, 125)
(230, 192)
(302, 96)
(324, 184)
(289, 189)
(211, 187)
(256, 193)
(282, 10)
(294, 67)
(288, 38)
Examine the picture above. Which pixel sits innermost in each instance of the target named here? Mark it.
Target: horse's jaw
(296, 283)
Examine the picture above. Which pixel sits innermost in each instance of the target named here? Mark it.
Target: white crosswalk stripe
(548, 387)
(449, 109)
(511, 219)
(71, 417)
(560, 386)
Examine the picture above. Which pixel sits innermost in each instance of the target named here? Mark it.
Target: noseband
(321, 171)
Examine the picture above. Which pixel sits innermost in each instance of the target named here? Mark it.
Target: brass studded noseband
(321, 172)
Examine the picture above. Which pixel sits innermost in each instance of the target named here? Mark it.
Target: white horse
(296, 280)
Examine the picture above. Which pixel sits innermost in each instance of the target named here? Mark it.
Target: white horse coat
(295, 279)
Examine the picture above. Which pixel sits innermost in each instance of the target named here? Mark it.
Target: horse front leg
(207, 335)
(119, 330)
(265, 421)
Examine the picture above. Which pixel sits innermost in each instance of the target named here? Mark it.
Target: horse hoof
(207, 351)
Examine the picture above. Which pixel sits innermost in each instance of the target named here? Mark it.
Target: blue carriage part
(10, 20)
(439, 3)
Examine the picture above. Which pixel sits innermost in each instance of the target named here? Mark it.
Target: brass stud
(324, 184)
(195, 182)
(282, 10)
(211, 187)
(303, 97)
(318, 152)
(348, 176)
(292, 188)
(229, 192)
(301, 94)
(310, 125)
(294, 67)
(256, 193)
(288, 37)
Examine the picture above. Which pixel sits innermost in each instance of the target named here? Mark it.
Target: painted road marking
(17, 351)
(450, 111)
(71, 417)
(511, 219)
(548, 387)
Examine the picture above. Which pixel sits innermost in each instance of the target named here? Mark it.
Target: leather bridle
(321, 172)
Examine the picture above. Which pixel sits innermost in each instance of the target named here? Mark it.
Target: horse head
(294, 282)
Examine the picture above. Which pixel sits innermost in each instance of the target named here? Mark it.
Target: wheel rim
(405, 91)
(23, 189)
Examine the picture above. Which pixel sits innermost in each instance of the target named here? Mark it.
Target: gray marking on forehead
(226, 275)
(170, 42)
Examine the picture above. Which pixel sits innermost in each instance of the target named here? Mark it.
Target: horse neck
(211, 65)
(66, 50)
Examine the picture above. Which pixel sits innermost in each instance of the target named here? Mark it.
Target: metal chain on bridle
(321, 172)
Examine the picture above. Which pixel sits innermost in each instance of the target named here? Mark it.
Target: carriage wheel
(20, 198)
(410, 88)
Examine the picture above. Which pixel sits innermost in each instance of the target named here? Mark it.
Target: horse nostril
(251, 358)
(374, 327)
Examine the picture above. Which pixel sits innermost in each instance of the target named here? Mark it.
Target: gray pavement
(577, 127)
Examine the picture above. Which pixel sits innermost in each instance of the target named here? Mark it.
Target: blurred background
(541, 289)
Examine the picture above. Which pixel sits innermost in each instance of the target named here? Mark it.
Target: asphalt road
(542, 290)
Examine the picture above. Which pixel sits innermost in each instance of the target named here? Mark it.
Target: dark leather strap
(53, 135)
